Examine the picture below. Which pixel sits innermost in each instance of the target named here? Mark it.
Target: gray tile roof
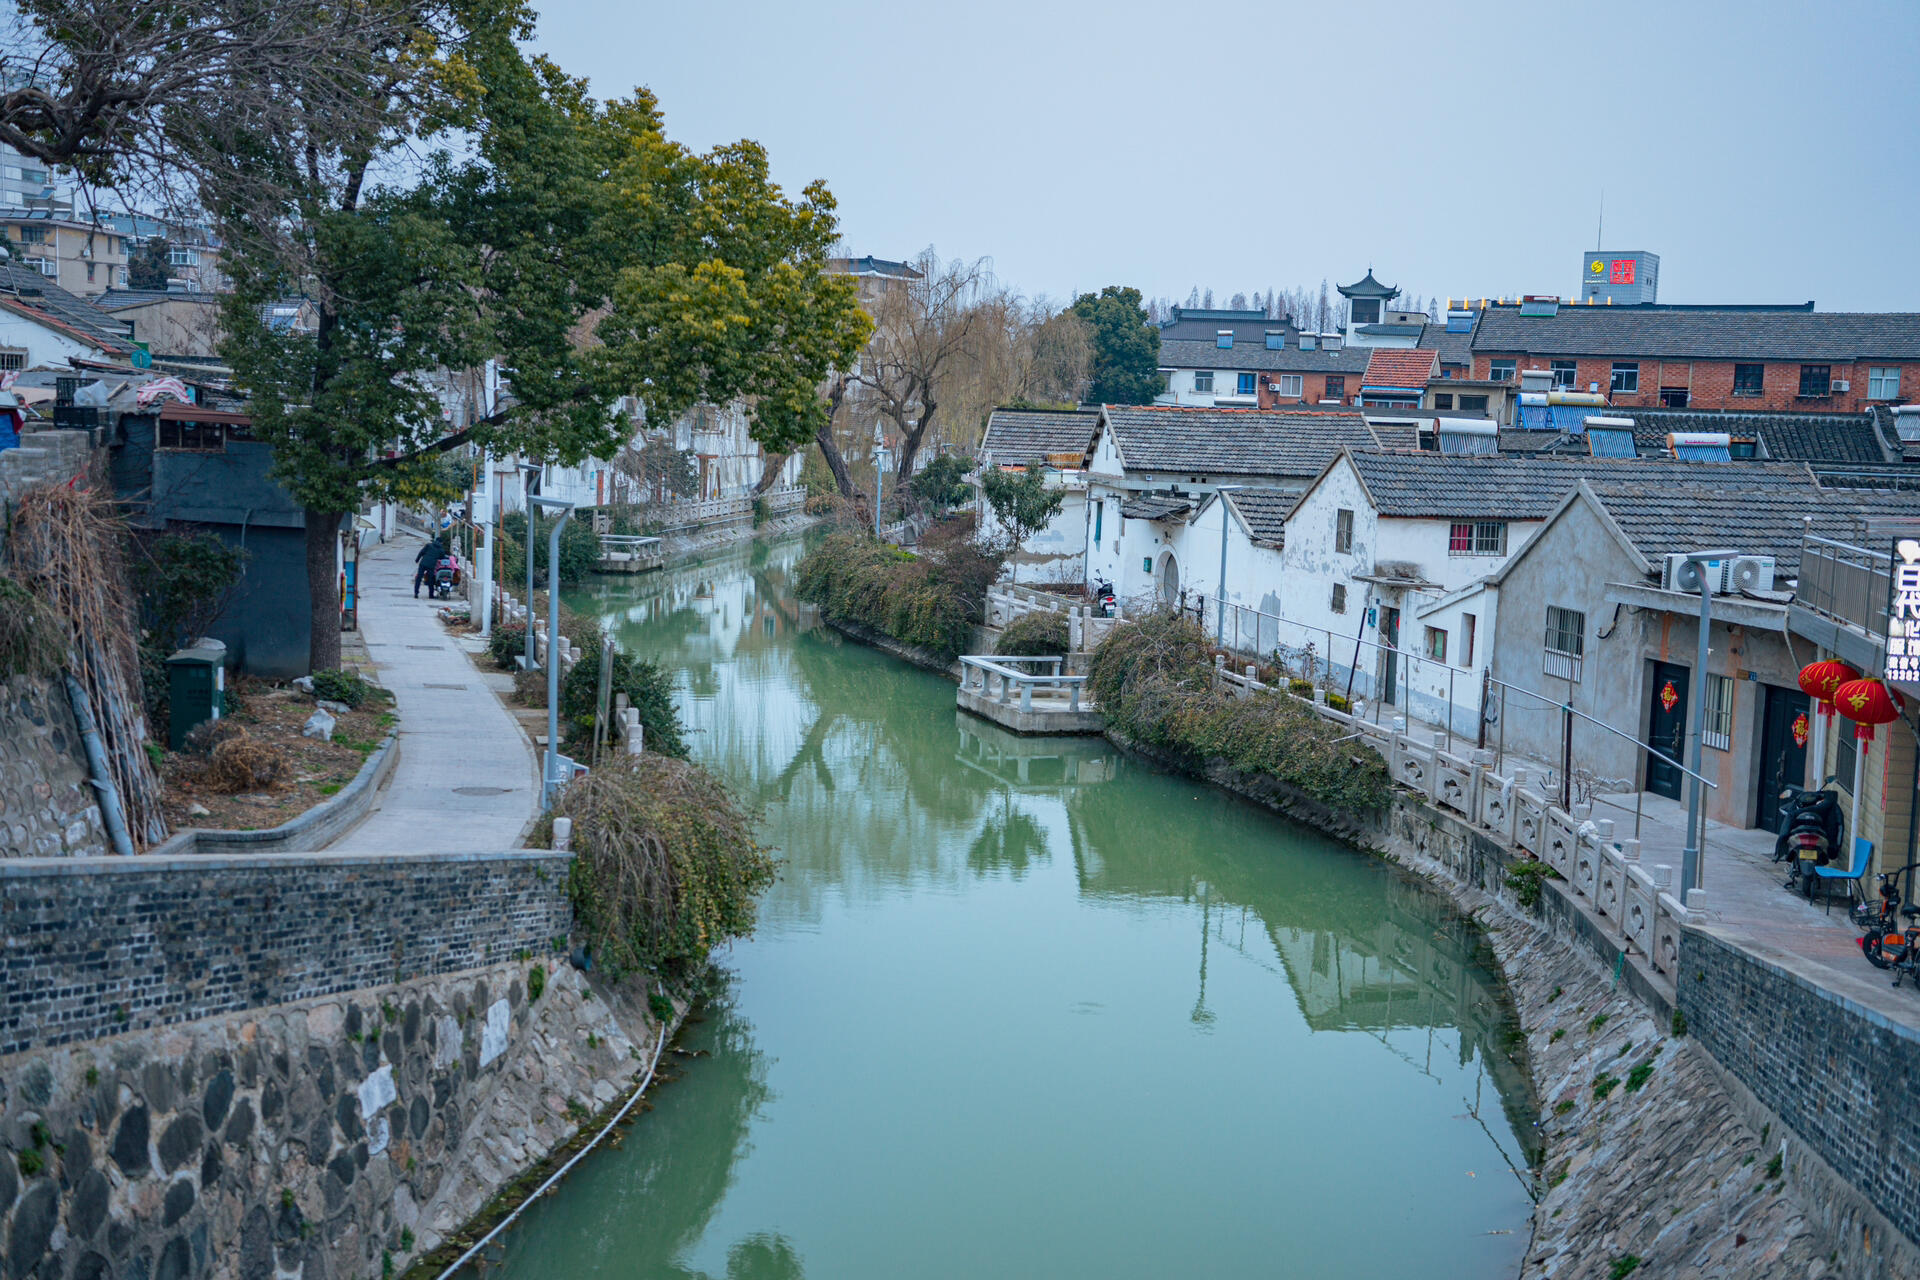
(1786, 437)
(1265, 512)
(1454, 348)
(1179, 353)
(1729, 333)
(1019, 436)
(29, 290)
(1415, 485)
(1154, 506)
(1515, 440)
(1755, 521)
(1247, 442)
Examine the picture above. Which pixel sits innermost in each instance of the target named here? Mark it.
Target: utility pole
(1690, 869)
(551, 763)
(531, 474)
(1220, 594)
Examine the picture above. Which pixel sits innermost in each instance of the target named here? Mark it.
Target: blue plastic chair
(1862, 857)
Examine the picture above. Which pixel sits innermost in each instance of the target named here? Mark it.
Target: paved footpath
(466, 778)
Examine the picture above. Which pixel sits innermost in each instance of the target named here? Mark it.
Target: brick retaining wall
(1840, 1075)
(100, 946)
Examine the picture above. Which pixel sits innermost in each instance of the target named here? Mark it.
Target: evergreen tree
(1126, 349)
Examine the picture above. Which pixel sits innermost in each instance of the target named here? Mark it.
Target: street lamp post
(1220, 593)
(530, 475)
(551, 764)
(879, 482)
(1696, 820)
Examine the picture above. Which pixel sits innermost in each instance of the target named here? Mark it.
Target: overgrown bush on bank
(579, 549)
(665, 866)
(1154, 682)
(1035, 635)
(933, 600)
(647, 687)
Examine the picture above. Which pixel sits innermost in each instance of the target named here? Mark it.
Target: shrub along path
(466, 781)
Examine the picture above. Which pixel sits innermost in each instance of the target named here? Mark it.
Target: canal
(1027, 1007)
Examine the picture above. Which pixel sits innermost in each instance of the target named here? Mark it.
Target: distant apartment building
(1243, 359)
(1749, 358)
(81, 257)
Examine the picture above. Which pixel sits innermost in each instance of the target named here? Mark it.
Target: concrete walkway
(466, 781)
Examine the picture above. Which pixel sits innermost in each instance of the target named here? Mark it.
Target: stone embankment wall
(101, 947)
(321, 1139)
(1646, 1154)
(48, 809)
(1845, 1079)
(281, 1066)
(1651, 1150)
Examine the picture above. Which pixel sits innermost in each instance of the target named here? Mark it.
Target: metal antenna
(1600, 231)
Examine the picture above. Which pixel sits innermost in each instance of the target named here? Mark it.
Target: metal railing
(1845, 583)
(1333, 661)
(997, 677)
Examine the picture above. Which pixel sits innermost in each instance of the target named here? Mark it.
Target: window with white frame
(181, 257)
(1566, 374)
(1883, 383)
(1203, 381)
(1290, 386)
(1343, 531)
(1717, 730)
(1244, 384)
(1477, 538)
(1566, 643)
(1626, 376)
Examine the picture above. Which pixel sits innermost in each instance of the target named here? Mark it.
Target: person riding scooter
(425, 563)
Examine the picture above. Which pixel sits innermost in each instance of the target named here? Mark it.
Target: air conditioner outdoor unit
(1737, 573)
(1842, 384)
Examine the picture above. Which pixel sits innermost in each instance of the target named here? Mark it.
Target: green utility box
(196, 688)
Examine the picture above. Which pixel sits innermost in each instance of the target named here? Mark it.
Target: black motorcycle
(1810, 830)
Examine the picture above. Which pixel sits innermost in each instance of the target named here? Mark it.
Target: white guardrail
(1633, 899)
(996, 678)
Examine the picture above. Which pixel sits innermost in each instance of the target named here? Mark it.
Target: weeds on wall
(932, 600)
(1035, 635)
(33, 639)
(1154, 682)
(665, 866)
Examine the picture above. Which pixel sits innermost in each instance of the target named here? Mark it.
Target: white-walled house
(1057, 441)
(1387, 555)
(1151, 466)
(44, 326)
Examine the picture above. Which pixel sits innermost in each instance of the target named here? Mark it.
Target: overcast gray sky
(1765, 150)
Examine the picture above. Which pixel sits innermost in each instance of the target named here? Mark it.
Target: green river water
(1027, 1007)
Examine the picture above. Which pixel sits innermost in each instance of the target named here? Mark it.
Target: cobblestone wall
(101, 947)
(337, 1138)
(47, 807)
(1842, 1077)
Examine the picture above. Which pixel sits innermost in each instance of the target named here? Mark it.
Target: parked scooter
(1103, 598)
(1810, 831)
(446, 576)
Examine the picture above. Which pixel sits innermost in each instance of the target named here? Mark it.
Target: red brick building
(1763, 358)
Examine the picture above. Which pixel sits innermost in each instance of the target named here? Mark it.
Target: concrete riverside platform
(1030, 695)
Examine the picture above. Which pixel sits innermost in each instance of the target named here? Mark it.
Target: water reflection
(1024, 1006)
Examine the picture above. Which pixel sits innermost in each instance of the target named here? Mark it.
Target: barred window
(1477, 538)
(1717, 731)
(1566, 642)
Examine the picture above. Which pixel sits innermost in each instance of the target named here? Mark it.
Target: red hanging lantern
(1818, 680)
(1867, 703)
